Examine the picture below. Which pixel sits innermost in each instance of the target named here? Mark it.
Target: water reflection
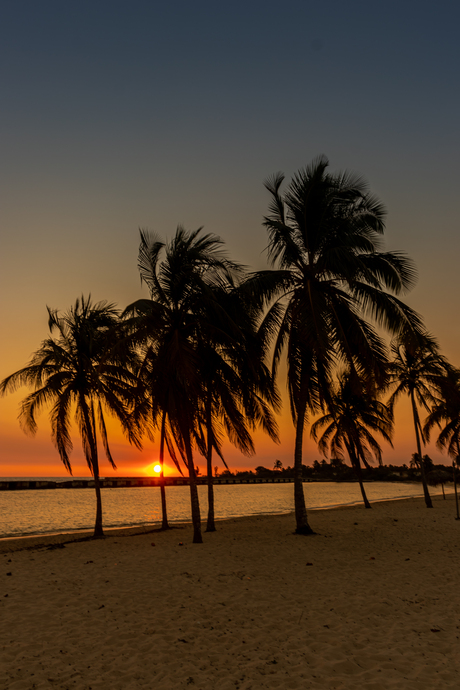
(65, 510)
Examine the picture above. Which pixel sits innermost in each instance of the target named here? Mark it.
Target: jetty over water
(131, 482)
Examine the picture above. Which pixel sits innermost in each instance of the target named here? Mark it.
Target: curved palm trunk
(356, 464)
(361, 485)
(210, 525)
(164, 514)
(89, 424)
(195, 503)
(426, 493)
(98, 531)
(302, 526)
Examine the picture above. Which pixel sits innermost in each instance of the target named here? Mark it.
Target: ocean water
(67, 510)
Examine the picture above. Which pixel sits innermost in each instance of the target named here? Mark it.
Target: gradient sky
(120, 115)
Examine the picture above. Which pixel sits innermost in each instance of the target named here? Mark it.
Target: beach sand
(371, 601)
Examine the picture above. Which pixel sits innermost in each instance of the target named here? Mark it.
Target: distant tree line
(338, 471)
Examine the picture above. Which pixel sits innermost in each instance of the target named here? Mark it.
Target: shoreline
(370, 601)
(37, 541)
(145, 528)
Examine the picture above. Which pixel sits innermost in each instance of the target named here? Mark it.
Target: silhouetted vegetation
(355, 416)
(336, 470)
(331, 280)
(416, 371)
(198, 361)
(80, 372)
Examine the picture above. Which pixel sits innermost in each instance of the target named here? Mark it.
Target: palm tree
(354, 416)
(445, 414)
(80, 370)
(416, 371)
(182, 313)
(239, 391)
(324, 237)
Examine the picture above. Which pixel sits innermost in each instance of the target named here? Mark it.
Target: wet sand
(371, 601)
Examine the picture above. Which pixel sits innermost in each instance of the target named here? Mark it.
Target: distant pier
(132, 482)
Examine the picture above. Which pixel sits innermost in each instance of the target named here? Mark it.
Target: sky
(117, 116)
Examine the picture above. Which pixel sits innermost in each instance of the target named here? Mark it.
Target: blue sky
(120, 115)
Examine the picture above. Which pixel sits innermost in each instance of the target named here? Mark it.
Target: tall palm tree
(239, 391)
(445, 415)
(354, 416)
(445, 412)
(416, 371)
(325, 239)
(81, 369)
(181, 313)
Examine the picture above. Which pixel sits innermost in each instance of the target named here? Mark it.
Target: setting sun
(154, 468)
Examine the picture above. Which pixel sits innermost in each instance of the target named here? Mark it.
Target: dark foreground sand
(371, 601)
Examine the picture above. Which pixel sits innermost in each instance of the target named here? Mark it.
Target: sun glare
(153, 469)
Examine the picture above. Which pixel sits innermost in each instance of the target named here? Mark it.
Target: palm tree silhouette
(82, 370)
(445, 412)
(354, 416)
(183, 312)
(240, 394)
(416, 371)
(324, 237)
(445, 415)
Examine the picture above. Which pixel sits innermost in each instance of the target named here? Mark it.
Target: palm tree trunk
(194, 500)
(94, 463)
(98, 531)
(356, 464)
(428, 501)
(302, 526)
(359, 477)
(164, 514)
(210, 525)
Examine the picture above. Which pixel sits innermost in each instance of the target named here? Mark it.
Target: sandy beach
(371, 601)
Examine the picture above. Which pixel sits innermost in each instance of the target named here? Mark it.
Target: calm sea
(68, 510)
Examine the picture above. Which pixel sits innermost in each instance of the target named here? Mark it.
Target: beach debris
(152, 544)
(435, 630)
(89, 562)
(372, 558)
(102, 606)
(8, 574)
(309, 564)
